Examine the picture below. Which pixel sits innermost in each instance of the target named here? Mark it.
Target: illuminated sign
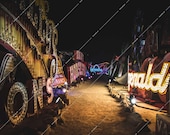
(78, 55)
(59, 80)
(29, 37)
(76, 70)
(157, 82)
(19, 89)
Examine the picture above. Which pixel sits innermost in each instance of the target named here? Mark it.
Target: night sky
(79, 20)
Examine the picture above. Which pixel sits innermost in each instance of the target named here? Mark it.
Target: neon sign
(19, 88)
(76, 70)
(157, 82)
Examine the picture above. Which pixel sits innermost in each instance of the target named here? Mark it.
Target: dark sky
(89, 16)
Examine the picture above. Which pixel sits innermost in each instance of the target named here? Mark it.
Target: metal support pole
(168, 98)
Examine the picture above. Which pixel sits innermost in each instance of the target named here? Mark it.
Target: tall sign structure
(28, 56)
(150, 78)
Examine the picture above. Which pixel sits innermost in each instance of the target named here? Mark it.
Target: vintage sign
(19, 88)
(78, 55)
(32, 38)
(156, 82)
(76, 70)
(58, 80)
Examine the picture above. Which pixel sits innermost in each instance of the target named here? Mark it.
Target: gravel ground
(92, 111)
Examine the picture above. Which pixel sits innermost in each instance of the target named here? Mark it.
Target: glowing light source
(133, 100)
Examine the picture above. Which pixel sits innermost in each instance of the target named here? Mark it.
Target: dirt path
(92, 111)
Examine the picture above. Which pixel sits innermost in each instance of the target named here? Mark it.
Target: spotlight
(132, 99)
(64, 90)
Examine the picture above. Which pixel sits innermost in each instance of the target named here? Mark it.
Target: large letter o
(16, 116)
